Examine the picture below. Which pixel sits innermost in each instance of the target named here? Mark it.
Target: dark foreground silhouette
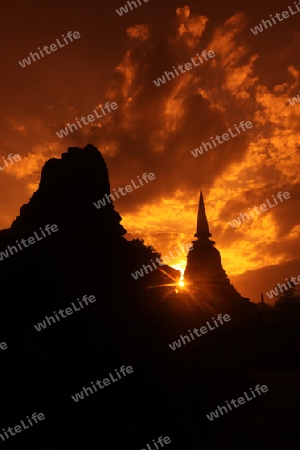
(169, 393)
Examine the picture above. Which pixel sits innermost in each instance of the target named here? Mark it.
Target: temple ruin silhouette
(204, 272)
(130, 324)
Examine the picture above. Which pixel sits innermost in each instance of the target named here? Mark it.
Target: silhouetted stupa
(204, 271)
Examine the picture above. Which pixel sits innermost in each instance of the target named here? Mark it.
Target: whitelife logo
(106, 382)
(124, 9)
(285, 15)
(65, 313)
(90, 119)
(127, 188)
(31, 240)
(241, 401)
(202, 330)
(15, 157)
(161, 261)
(53, 48)
(293, 101)
(18, 428)
(263, 208)
(188, 66)
(225, 136)
(274, 292)
(159, 441)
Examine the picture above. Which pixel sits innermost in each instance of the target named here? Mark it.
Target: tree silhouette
(148, 251)
(289, 302)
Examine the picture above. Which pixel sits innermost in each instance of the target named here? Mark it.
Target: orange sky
(155, 129)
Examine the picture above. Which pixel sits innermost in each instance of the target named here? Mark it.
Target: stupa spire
(204, 271)
(202, 224)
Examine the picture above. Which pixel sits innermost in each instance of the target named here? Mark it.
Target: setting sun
(181, 267)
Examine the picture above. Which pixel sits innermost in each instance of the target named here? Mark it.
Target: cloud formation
(154, 130)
